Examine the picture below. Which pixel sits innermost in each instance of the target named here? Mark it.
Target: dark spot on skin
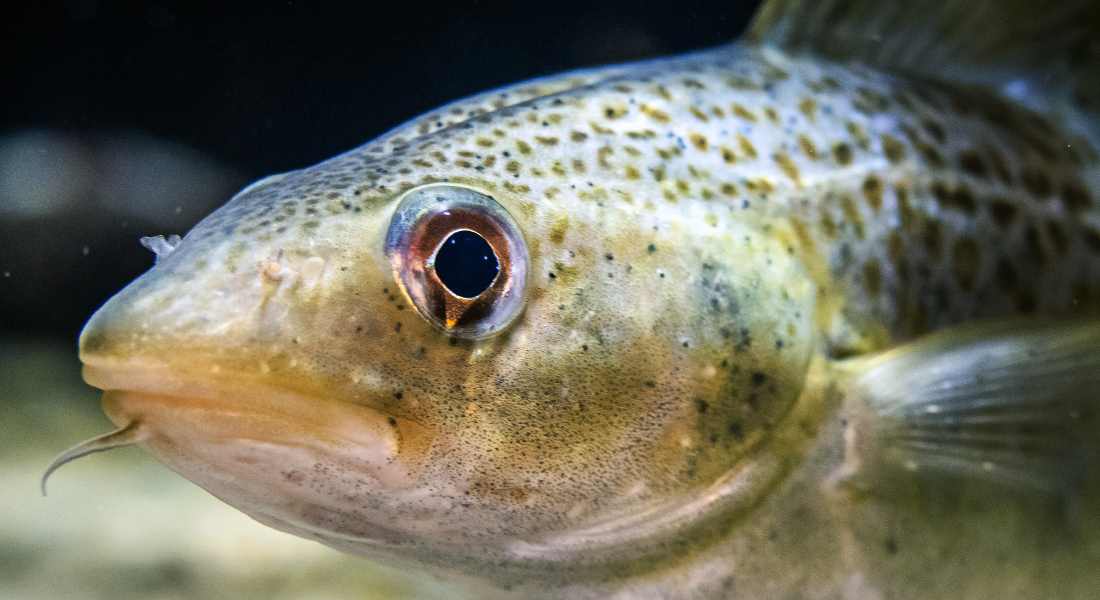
(759, 378)
(399, 396)
(651, 248)
(971, 162)
(701, 405)
(891, 545)
(584, 347)
(1037, 182)
(1076, 197)
(650, 384)
(552, 276)
(736, 431)
(609, 256)
(392, 421)
(1003, 212)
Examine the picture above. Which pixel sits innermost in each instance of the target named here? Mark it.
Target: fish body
(698, 367)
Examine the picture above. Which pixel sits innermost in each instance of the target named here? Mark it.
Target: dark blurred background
(127, 119)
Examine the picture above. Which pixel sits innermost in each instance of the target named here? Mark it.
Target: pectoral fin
(1010, 403)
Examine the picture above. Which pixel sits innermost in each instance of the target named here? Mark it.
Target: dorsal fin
(1055, 43)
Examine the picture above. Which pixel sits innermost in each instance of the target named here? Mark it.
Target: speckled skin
(704, 233)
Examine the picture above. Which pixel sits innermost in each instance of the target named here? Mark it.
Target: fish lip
(137, 389)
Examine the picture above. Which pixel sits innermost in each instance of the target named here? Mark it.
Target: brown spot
(852, 215)
(617, 111)
(547, 141)
(512, 167)
(485, 142)
(971, 162)
(1057, 235)
(728, 189)
(1092, 238)
(807, 145)
(936, 131)
(558, 230)
(439, 156)
(663, 93)
(759, 185)
(1035, 244)
(523, 147)
(872, 278)
(578, 136)
(1076, 197)
(790, 169)
(658, 173)
(746, 146)
(828, 225)
(698, 114)
(624, 89)
(602, 154)
(1037, 182)
(966, 258)
(633, 174)
(1000, 166)
(489, 161)
(656, 114)
(859, 135)
(771, 114)
(728, 156)
(711, 219)
(682, 186)
(740, 111)
(1003, 212)
(596, 127)
(420, 162)
(842, 154)
(1006, 275)
(932, 235)
(558, 169)
(740, 83)
(895, 247)
(869, 101)
(931, 155)
(464, 164)
(579, 166)
(959, 198)
(893, 148)
(699, 141)
(808, 107)
(872, 192)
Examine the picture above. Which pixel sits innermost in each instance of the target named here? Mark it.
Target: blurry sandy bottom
(117, 525)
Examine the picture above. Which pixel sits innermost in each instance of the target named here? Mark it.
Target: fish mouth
(282, 457)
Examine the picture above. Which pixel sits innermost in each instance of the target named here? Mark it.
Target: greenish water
(118, 525)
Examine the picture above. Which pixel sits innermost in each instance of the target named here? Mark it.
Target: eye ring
(423, 221)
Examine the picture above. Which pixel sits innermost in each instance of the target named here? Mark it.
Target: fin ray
(1012, 403)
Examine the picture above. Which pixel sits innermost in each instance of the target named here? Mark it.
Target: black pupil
(466, 264)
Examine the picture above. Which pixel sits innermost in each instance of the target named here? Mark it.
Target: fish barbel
(809, 315)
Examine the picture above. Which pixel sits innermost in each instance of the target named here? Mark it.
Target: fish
(808, 315)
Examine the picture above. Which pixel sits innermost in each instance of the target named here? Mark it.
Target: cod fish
(810, 315)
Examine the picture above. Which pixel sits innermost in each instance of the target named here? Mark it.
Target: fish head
(601, 365)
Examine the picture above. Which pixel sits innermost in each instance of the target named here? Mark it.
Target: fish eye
(460, 258)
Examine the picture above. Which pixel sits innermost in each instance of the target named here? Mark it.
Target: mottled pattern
(701, 230)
